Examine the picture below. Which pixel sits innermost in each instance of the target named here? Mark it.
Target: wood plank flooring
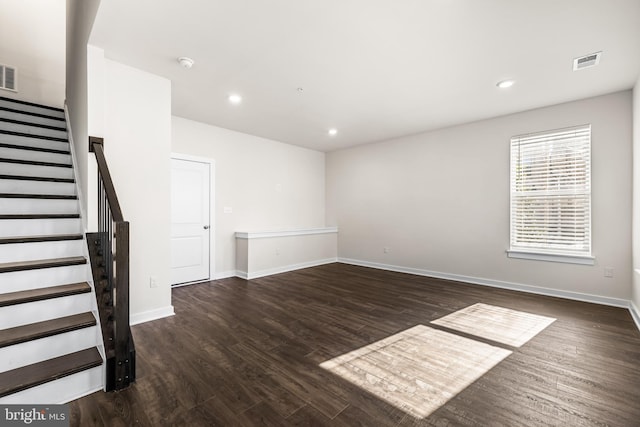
(247, 353)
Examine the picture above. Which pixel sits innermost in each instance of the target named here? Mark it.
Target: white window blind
(551, 192)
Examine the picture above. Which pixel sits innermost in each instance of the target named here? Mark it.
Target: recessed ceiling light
(505, 84)
(186, 62)
(235, 99)
(333, 132)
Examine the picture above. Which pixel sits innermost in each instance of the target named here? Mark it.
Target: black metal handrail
(110, 265)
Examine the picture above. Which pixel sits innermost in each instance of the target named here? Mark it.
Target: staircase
(49, 337)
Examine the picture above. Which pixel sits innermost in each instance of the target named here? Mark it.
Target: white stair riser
(27, 353)
(23, 117)
(31, 109)
(38, 156)
(25, 141)
(31, 170)
(15, 252)
(38, 206)
(37, 187)
(38, 227)
(39, 311)
(60, 391)
(33, 130)
(42, 278)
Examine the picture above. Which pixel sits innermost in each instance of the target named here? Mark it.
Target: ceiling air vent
(586, 61)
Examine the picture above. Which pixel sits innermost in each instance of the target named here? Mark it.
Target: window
(551, 196)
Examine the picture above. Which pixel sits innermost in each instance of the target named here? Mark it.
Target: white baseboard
(147, 316)
(283, 269)
(635, 313)
(615, 302)
(225, 274)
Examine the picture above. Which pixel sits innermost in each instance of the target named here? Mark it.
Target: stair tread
(36, 163)
(49, 370)
(32, 104)
(41, 263)
(37, 196)
(38, 125)
(47, 328)
(41, 238)
(31, 295)
(28, 113)
(30, 135)
(39, 216)
(30, 148)
(37, 178)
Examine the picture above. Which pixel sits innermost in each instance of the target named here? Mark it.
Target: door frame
(212, 216)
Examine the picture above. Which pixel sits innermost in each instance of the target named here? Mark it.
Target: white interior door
(190, 226)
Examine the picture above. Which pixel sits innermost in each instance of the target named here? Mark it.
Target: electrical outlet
(608, 272)
(153, 282)
(277, 251)
(385, 249)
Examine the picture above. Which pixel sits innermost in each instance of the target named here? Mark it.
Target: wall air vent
(586, 61)
(8, 78)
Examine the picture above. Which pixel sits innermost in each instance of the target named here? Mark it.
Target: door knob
(206, 227)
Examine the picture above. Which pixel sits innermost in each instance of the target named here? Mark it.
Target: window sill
(568, 259)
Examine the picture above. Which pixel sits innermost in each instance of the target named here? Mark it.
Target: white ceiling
(373, 69)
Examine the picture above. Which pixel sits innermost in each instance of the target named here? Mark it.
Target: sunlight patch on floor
(503, 325)
(417, 370)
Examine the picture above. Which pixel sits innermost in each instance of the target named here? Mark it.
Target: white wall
(80, 17)
(268, 184)
(636, 197)
(135, 108)
(32, 39)
(264, 254)
(440, 200)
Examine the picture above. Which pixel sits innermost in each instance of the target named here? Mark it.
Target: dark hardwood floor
(247, 353)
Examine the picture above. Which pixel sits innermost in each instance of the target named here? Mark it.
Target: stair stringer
(85, 248)
(91, 171)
